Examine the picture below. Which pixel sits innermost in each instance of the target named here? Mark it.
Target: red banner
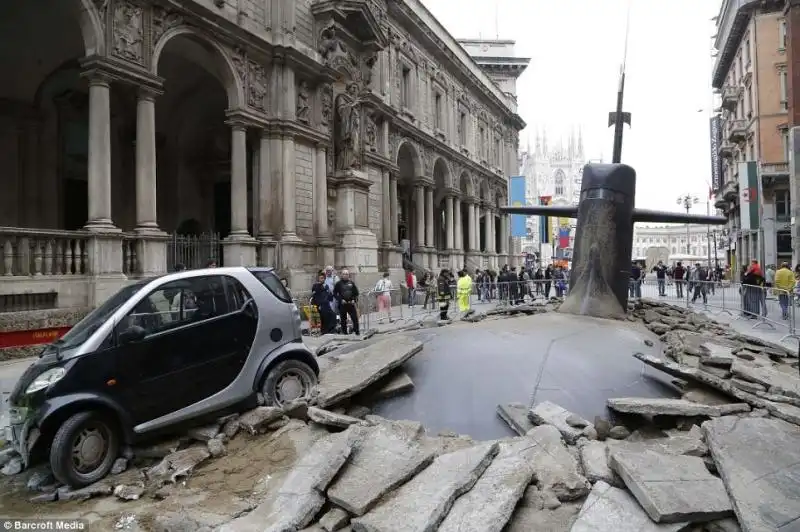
(34, 337)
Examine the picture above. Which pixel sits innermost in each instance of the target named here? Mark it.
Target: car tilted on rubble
(158, 355)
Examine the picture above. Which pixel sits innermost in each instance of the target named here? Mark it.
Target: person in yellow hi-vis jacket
(464, 290)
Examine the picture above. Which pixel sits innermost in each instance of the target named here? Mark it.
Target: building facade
(680, 240)
(553, 171)
(296, 133)
(751, 76)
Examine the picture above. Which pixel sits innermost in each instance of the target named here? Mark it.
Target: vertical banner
(544, 224)
(564, 228)
(716, 161)
(749, 196)
(516, 193)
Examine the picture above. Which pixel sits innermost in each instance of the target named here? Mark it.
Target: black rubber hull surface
(466, 370)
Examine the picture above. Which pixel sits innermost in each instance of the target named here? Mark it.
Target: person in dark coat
(346, 292)
(444, 293)
(321, 298)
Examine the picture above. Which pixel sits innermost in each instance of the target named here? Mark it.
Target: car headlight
(45, 379)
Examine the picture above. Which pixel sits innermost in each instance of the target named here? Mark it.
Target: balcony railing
(725, 149)
(730, 97)
(737, 130)
(774, 169)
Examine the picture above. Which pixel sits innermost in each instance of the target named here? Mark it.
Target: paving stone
(398, 383)
(688, 373)
(672, 489)
(661, 407)
(533, 514)
(557, 469)
(729, 524)
(384, 457)
(254, 420)
(776, 382)
(785, 412)
(516, 415)
(422, 503)
(714, 354)
(333, 520)
(759, 462)
(300, 497)
(594, 459)
(609, 509)
(357, 370)
(675, 443)
(552, 414)
(752, 387)
(330, 419)
(488, 506)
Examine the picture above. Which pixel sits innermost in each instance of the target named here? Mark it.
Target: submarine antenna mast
(619, 118)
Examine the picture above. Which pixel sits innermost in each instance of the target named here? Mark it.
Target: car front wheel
(84, 449)
(288, 381)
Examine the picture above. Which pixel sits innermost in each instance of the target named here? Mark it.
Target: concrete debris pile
(348, 382)
(731, 469)
(716, 365)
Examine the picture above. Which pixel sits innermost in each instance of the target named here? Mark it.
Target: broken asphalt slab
(759, 462)
(557, 469)
(664, 407)
(423, 502)
(672, 489)
(301, 496)
(608, 509)
(568, 424)
(384, 457)
(488, 506)
(355, 371)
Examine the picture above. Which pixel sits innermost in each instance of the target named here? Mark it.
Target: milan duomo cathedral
(551, 170)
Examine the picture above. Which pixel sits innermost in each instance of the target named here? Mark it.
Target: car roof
(188, 274)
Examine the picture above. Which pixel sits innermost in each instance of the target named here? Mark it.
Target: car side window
(179, 303)
(237, 293)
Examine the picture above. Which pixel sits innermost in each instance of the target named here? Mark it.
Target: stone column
(146, 191)
(266, 190)
(450, 223)
(419, 205)
(99, 166)
(289, 207)
(478, 209)
(386, 208)
(321, 194)
(238, 179)
(458, 228)
(489, 228)
(429, 223)
(504, 234)
(393, 207)
(472, 244)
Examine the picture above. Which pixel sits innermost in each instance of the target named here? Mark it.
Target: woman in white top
(383, 290)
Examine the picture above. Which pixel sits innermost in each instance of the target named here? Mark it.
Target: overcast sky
(576, 48)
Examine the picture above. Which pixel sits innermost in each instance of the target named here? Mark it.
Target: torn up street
(700, 431)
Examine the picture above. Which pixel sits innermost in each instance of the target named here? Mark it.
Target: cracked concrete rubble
(711, 461)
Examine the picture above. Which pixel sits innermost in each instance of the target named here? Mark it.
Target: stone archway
(193, 140)
(44, 115)
(441, 180)
(409, 165)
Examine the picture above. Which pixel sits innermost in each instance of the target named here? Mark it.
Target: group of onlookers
(335, 297)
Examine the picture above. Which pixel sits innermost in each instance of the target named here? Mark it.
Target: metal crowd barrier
(771, 308)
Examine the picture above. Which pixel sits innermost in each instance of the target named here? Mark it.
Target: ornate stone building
(301, 132)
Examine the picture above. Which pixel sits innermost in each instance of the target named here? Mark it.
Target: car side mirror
(134, 333)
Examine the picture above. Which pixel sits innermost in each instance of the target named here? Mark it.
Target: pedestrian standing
(444, 293)
(346, 292)
(383, 291)
(784, 287)
(464, 290)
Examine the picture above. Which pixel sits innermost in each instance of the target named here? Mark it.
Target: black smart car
(157, 355)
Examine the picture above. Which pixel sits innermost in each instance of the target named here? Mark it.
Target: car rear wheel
(84, 449)
(288, 381)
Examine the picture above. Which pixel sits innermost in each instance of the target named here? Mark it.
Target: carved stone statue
(327, 105)
(371, 133)
(302, 102)
(347, 135)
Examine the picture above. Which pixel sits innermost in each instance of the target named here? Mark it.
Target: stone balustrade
(35, 252)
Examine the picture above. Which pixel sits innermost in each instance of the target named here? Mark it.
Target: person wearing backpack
(383, 291)
(346, 293)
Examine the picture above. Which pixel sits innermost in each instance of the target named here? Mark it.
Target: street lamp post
(686, 201)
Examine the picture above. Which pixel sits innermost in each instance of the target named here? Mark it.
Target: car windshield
(95, 319)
